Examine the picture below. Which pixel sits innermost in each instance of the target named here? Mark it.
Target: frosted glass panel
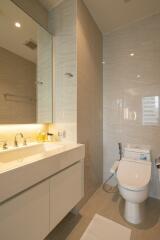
(150, 110)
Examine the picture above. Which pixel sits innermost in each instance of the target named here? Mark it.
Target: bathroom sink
(19, 154)
(25, 166)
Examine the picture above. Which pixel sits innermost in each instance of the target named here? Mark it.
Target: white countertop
(58, 147)
(40, 161)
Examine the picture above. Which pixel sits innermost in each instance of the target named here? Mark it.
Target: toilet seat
(134, 174)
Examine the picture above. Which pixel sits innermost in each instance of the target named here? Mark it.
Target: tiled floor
(110, 206)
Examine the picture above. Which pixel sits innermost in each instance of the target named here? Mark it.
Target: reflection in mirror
(25, 68)
(151, 111)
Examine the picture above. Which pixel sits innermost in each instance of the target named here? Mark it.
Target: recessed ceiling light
(138, 75)
(132, 54)
(17, 24)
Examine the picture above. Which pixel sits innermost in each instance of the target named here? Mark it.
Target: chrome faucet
(16, 141)
(4, 146)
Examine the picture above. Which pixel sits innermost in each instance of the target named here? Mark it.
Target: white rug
(102, 228)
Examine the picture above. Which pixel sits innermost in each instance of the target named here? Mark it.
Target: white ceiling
(13, 39)
(112, 14)
(50, 4)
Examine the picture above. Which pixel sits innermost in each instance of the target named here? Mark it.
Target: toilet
(133, 176)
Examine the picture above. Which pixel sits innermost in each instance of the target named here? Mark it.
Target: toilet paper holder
(158, 162)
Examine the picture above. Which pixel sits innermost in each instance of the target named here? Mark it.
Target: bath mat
(102, 228)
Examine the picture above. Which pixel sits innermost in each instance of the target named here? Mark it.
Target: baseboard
(154, 196)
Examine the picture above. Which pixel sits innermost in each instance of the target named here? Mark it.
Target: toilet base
(134, 212)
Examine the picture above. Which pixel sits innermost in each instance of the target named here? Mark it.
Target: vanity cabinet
(35, 212)
(26, 216)
(66, 190)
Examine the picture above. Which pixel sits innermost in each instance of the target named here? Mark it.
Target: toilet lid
(134, 175)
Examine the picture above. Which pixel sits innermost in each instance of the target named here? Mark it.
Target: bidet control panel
(143, 156)
(137, 154)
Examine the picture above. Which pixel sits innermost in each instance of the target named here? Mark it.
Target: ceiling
(14, 39)
(50, 4)
(112, 14)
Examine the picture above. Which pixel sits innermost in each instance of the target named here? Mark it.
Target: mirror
(25, 68)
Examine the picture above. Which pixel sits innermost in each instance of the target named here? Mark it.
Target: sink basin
(23, 167)
(18, 154)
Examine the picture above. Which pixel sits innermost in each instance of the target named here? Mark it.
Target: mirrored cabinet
(26, 65)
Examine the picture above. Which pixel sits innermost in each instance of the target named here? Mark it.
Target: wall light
(20, 128)
(132, 54)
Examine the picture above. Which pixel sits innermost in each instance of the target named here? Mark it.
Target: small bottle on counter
(41, 137)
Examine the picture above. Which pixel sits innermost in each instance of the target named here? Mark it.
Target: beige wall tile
(89, 96)
(62, 21)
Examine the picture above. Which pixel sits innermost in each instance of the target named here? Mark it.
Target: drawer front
(66, 190)
(26, 216)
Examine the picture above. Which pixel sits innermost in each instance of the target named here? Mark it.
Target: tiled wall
(78, 99)
(62, 22)
(131, 72)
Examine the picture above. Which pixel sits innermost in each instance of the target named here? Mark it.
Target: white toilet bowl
(133, 181)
